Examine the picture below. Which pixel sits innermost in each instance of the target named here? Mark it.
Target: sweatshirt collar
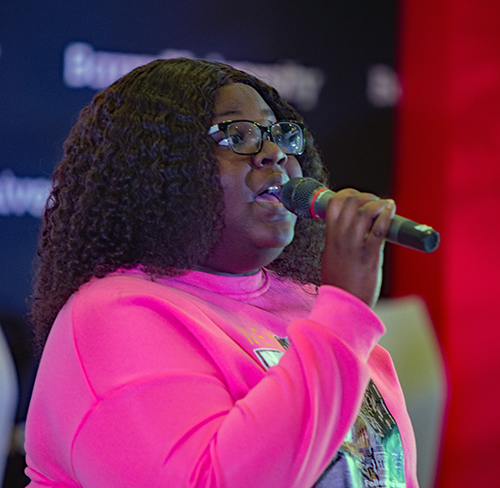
(233, 286)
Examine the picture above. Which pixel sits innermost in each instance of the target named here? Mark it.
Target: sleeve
(167, 417)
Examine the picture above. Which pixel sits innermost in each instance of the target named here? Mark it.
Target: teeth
(273, 189)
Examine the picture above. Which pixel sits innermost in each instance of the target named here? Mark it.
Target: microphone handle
(402, 231)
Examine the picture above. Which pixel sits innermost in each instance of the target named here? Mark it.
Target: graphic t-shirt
(372, 454)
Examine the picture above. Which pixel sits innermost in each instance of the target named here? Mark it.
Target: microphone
(307, 197)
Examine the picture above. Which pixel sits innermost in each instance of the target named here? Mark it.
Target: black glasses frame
(264, 129)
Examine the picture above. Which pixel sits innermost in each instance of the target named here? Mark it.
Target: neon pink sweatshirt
(165, 384)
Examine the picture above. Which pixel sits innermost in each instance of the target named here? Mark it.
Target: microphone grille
(296, 195)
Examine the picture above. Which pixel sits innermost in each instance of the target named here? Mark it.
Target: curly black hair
(138, 169)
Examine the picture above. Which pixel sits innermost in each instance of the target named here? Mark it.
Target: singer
(193, 331)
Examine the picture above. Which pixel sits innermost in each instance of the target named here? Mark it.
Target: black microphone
(307, 197)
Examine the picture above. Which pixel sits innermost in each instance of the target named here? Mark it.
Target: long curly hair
(138, 170)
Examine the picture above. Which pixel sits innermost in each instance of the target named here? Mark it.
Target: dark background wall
(342, 39)
(348, 44)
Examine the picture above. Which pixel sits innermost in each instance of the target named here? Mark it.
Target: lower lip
(274, 207)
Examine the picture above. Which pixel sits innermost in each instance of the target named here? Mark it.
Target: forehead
(238, 100)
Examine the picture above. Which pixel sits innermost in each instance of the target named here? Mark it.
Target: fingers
(357, 224)
(382, 222)
(362, 218)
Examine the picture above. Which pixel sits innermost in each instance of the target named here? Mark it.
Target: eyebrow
(267, 112)
(227, 112)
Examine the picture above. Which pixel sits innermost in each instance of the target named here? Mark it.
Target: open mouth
(270, 195)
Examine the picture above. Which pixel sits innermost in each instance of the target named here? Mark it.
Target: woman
(189, 345)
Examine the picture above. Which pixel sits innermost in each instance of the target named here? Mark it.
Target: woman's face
(257, 225)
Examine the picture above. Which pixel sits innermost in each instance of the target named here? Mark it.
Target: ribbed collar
(234, 286)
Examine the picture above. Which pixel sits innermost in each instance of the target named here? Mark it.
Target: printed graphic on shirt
(283, 341)
(264, 338)
(268, 357)
(272, 347)
(371, 454)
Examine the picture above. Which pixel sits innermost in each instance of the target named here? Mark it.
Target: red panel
(448, 176)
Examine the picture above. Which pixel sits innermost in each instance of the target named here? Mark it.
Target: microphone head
(297, 193)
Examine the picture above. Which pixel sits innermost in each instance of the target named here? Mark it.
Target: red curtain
(447, 175)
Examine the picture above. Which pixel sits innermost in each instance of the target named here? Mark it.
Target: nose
(269, 154)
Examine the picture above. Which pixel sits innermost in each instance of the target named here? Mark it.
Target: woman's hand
(356, 226)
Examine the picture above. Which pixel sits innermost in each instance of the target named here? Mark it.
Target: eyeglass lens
(246, 138)
(289, 137)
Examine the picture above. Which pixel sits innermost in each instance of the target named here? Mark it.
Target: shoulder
(118, 283)
(122, 286)
(126, 327)
(128, 300)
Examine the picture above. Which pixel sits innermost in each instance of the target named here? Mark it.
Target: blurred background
(403, 98)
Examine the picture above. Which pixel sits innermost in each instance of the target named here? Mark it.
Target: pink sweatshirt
(166, 384)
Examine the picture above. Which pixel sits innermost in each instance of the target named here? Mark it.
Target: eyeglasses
(245, 137)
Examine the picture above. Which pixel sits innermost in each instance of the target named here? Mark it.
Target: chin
(276, 241)
(272, 249)
(276, 237)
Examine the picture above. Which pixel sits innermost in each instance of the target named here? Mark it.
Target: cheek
(231, 173)
(234, 187)
(293, 167)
